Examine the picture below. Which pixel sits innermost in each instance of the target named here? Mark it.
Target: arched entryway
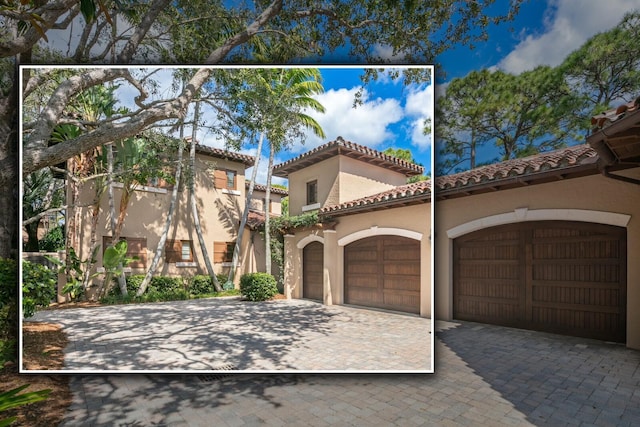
(312, 270)
(564, 277)
(383, 271)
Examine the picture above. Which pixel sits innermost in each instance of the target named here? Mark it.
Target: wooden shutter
(220, 178)
(136, 246)
(173, 251)
(219, 251)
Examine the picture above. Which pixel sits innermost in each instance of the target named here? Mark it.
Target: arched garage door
(312, 267)
(383, 272)
(555, 276)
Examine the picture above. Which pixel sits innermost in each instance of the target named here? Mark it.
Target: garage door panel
(506, 289)
(568, 277)
(406, 269)
(383, 272)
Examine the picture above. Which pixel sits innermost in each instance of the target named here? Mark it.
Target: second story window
(225, 179)
(231, 180)
(312, 192)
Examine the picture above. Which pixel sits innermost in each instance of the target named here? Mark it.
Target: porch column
(330, 269)
(292, 267)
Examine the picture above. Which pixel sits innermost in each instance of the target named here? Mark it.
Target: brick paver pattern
(485, 375)
(211, 334)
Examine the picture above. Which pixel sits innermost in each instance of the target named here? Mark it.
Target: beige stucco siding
(410, 221)
(219, 212)
(340, 179)
(592, 198)
(326, 173)
(359, 179)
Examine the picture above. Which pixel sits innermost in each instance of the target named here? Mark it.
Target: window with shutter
(136, 249)
(223, 251)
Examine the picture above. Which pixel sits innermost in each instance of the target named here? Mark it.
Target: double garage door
(555, 276)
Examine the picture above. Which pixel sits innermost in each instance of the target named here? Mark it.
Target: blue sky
(544, 32)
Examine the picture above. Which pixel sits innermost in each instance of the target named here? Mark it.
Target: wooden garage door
(555, 276)
(312, 267)
(383, 272)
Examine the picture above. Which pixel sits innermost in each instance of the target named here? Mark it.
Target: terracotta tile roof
(349, 149)
(417, 192)
(274, 190)
(255, 219)
(524, 170)
(607, 118)
(616, 135)
(225, 154)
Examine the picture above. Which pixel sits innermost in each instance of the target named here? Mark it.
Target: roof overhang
(348, 149)
(619, 142)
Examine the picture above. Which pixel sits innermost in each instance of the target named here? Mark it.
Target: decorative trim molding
(379, 231)
(308, 239)
(525, 214)
(312, 207)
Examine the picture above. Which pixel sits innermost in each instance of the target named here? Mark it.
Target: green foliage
(258, 286)
(74, 286)
(201, 284)
(284, 223)
(39, 286)
(8, 298)
(8, 351)
(11, 399)
(160, 285)
(166, 284)
(519, 114)
(53, 241)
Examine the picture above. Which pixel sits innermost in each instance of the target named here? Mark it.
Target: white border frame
(183, 371)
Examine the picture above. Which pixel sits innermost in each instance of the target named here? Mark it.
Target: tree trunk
(115, 235)
(194, 205)
(169, 219)
(32, 233)
(9, 174)
(472, 151)
(95, 214)
(267, 221)
(245, 213)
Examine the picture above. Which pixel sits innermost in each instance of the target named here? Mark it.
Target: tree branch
(242, 37)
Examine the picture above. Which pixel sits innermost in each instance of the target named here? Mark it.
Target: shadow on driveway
(551, 379)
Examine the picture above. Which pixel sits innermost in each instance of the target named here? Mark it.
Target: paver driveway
(485, 375)
(229, 334)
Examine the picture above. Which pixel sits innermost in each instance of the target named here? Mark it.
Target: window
(136, 249)
(225, 179)
(178, 251)
(223, 251)
(312, 192)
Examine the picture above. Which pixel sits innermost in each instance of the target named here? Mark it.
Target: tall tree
(519, 114)
(294, 91)
(606, 68)
(406, 155)
(41, 193)
(461, 112)
(369, 30)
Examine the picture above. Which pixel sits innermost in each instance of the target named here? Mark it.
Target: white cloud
(569, 23)
(386, 52)
(419, 106)
(365, 124)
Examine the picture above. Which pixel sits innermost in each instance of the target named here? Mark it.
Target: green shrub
(166, 284)
(201, 284)
(258, 286)
(39, 286)
(53, 241)
(8, 298)
(11, 399)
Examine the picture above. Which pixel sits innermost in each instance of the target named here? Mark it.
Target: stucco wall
(552, 200)
(219, 211)
(408, 221)
(340, 179)
(359, 179)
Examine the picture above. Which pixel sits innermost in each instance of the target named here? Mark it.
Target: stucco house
(221, 194)
(548, 242)
(372, 244)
